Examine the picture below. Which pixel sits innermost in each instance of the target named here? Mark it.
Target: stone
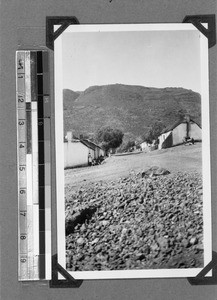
(80, 241)
(193, 241)
(155, 171)
(185, 243)
(163, 242)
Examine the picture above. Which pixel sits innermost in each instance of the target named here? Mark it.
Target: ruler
(33, 157)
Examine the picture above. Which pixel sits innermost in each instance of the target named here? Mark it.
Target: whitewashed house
(145, 146)
(76, 153)
(175, 134)
(98, 151)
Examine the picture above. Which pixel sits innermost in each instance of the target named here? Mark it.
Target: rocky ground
(149, 219)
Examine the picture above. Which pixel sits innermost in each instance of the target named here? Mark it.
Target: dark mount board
(200, 279)
(51, 35)
(69, 280)
(209, 32)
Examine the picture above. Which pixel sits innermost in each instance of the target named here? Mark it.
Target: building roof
(87, 144)
(90, 144)
(177, 123)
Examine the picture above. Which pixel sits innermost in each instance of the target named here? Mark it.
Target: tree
(109, 137)
(154, 132)
(126, 146)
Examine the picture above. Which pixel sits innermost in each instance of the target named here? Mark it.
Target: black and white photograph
(132, 151)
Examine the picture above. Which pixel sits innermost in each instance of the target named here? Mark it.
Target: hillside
(133, 109)
(69, 96)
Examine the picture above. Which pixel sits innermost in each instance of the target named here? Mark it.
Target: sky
(147, 58)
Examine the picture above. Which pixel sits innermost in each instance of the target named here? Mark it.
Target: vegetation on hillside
(132, 109)
(154, 132)
(109, 137)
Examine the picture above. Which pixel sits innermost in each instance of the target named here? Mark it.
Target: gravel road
(181, 158)
(143, 220)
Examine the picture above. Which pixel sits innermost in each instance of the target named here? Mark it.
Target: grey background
(22, 25)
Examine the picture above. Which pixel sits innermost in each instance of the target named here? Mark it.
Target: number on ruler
(20, 64)
(22, 191)
(22, 168)
(23, 213)
(22, 237)
(46, 99)
(23, 260)
(21, 123)
(22, 146)
(20, 98)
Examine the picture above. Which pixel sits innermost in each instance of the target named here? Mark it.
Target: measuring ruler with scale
(33, 156)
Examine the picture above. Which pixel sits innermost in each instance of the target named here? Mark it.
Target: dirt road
(180, 158)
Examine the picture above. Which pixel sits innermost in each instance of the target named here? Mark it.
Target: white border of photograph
(60, 199)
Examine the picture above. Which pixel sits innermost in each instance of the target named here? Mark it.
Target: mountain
(133, 109)
(69, 96)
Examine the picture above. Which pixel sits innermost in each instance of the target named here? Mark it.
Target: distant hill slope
(133, 109)
(69, 96)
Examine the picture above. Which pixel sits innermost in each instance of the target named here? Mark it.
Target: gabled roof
(87, 144)
(177, 123)
(90, 144)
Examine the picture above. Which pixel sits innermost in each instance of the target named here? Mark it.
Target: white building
(175, 134)
(78, 153)
(145, 146)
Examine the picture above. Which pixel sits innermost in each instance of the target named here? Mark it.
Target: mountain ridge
(131, 108)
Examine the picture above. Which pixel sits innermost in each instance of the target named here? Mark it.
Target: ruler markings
(27, 77)
(22, 175)
(21, 137)
(33, 63)
(46, 108)
(22, 199)
(22, 153)
(21, 128)
(20, 62)
(29, 167)
(20, 101)
(34, 187)
(47, 161)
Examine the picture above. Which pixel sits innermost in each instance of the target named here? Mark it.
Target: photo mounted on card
(132, 151)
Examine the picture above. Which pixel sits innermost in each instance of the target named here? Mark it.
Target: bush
(109, 137)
